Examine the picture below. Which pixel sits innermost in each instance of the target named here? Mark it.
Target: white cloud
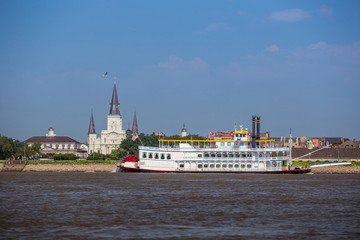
(319, 45)
(198, 64)
(325, 11)
(291, 15)
(173, 62)
(272, 48)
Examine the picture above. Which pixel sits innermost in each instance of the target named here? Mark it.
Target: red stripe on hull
(293, 171)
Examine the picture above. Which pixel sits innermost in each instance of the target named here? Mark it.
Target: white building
(183, 132)
(111, 138)
(58, 144)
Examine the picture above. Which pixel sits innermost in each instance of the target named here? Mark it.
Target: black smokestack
(258, 130)
(253, 136)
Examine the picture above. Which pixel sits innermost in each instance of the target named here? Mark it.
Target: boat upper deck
(195, 148)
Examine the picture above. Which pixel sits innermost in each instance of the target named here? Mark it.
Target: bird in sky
(105, 75)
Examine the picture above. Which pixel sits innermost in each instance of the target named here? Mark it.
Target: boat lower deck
(291, 171)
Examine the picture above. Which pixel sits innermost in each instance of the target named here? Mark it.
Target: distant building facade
(135, 129)
(183, 132)
(112, 137)
(58, 144)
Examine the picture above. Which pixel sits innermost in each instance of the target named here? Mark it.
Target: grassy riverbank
(110, 165)
(301, 164)
(73, 162)
(70, 168)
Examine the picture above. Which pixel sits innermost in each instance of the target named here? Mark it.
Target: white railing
(210, 150)
(241, 159)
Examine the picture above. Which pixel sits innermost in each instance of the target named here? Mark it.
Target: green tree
(36, 147)
(96, 156)
(29, 152)
(64, 156)
(119, 153)
(10, 147)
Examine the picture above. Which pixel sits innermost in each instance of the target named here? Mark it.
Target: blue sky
(206, 63)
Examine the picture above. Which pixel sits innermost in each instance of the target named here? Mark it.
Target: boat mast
(289, 159)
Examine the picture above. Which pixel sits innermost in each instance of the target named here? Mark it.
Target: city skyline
(206, 63)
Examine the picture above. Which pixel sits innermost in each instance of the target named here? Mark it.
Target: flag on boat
(159, 134)
(134, 137)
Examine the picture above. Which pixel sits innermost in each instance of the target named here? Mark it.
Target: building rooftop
(55, 139)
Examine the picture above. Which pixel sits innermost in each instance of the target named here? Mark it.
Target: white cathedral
(111, 138)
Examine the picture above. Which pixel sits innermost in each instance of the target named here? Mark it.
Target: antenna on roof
(290, 147)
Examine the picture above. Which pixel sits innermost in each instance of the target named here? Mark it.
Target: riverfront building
(183, 132)
(58, 144)
(112, 137)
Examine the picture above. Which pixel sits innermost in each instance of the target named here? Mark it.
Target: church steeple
(114, 105)
(135, 125)
(92, 125)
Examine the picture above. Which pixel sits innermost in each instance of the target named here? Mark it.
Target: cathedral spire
(92, 125)
(135, 125)
(114, 105)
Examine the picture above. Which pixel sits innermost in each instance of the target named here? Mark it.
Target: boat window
(230, 165)
(162, 156)
(199, 165)
(144, 154)
(156, 156)
(236, 165)
(249, 155)
(168, 156)
(222, 144)
(205, 165)
(243, 155)
(218, 155)
(224, 165)
(181, 165)
(248, 166)
(237, 155)
(242, 165)
(212, 165)
(213, 155)
(231, 155)
(150, 155)
(224, 155)
(217, 165)
(206, 155)
(199, 155)
(229, 143)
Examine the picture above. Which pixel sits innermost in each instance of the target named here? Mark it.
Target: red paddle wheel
(130, 158)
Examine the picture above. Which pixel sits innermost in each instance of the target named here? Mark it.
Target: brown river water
(78, 205)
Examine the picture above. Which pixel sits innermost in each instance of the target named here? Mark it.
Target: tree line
(14, 148)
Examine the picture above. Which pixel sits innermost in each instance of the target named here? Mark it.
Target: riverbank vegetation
(14, 148)
(73, 162)
(302, 163)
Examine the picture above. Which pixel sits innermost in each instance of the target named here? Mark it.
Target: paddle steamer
(242, 153)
